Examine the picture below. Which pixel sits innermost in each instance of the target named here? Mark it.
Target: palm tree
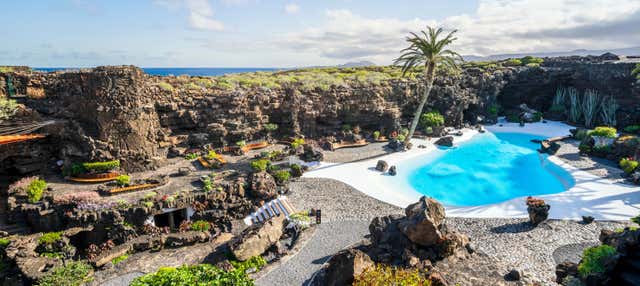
(429, 51)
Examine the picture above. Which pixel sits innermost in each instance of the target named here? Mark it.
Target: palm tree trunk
(429, 76)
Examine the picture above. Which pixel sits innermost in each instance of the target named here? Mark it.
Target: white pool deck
(591, 195)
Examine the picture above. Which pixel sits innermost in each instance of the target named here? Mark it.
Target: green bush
(401, 137)
(636, 71)
(296, 170)
(636, 219)
(593, 259)
(512, 62)
(632, 129)
(628, 165)
(119, 259)
(165, 86)
(376, 135)
(584, 148)
(50, 238)
(4, 242)
(123, 180)
(531, 60)
(207, 184)
(297, 143)
(282, 176)
(202, 274)
(191, 156)
(255, 262)
(432, 119)
(513, 118)
(603, 131)
(537, 117)
(260, 165)
(493, 110)
(212, 155)
(270, 127)
(581, 134)
(387, 275)
(201, 225)
(8, 108)
(72, 274)
(102, 166)
(35, 190)
(241, 143)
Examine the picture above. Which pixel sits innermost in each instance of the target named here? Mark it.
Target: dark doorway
(171, 219)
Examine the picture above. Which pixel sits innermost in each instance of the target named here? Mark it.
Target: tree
(428, 51)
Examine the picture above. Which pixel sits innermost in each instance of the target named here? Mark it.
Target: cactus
(575, 111)
(608, 112)
(590, 105)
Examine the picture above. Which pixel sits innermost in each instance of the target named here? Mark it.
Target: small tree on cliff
(428, 51)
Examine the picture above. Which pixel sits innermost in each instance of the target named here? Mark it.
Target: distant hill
(632, 51)
(357, 64)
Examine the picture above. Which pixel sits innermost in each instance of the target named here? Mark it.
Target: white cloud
(497, 26)
(200, 14)
(292, 8)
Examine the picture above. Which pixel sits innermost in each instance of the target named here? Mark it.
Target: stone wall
(121, 112)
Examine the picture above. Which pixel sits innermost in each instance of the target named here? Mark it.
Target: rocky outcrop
(424, 222)
(258, 238)
(446, 141)
(382, 166)
(263, 185)
(345, 265)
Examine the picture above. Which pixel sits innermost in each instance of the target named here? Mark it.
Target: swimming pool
(489, 168)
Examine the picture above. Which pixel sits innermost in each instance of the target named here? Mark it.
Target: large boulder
(446, 141)
(263, 185)
(424, 222)
(345, 266)
(257, 239)
(382, 166)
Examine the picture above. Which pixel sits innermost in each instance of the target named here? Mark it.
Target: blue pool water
(489, 168)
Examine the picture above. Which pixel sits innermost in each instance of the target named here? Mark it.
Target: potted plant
(538, 210)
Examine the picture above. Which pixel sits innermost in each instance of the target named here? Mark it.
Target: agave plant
(608, 111)
(428, 51)
(590, 105)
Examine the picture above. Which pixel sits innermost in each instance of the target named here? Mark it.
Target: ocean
(184, 71)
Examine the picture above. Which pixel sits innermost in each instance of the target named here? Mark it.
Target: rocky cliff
(121, 112)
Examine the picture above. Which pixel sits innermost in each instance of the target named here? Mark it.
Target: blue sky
(275, 33)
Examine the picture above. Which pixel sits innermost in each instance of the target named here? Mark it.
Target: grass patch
(72, 274)
(50, 238)
(593, 259)
(387, 275)
(119, 259)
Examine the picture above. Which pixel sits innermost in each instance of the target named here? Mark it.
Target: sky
(295, 33)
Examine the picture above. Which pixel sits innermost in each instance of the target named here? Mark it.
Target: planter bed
(94, 178)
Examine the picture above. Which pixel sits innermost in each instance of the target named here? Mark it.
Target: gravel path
(354, 154)
(513, 243)
(604, 168)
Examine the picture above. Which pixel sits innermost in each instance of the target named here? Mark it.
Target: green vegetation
(297, 142)
(270, 127)
(72, 274)
(428, 51)
(432, 119)
(260, 165)
(241, 143)
(102, 166)
(35, 190)
(207, 184)
(401, 137)
(4, 69)
(493, 110)
(282, 176)
(296, 170)
(593, 259)
(608, 132)
(376, 135)
(636, 219)
(531, 61)
(4, 242)
(211, 155)
(636, 71)
(119, 259)
(8, 108)
(191, 156)
(512, 62)
(387, 275)
(200, 275)
(165, 86)
(123, 180)
(632, 129)
(50, 238)
(201, 225)
(628, 165)
(255, 262)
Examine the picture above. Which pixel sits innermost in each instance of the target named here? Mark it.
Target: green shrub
(123, 180)
(401, 137)
(387, 275)
(202, 274)
(282, 176)
(165, 86)
(493, 110)
(211, 155)
(50, 238)
(201, 225)
(255, 262)
(207, 184)
(512, 62)
(628, 165)
(376, 135)
(432, 119)
(102, 166)
(270, 127)
(241, 143)
(296, 170)
(581, 134)
(636, 219)
(531, 60)
(603, 131)
(8, 108)
(593, 259)
(584, 148)
(72, 274)
(513, 118)
(297, 143)
(636, 71)
(632, 129)
(4, 242)
(191, 156)
(260, 165)
(119, 259)
(191, 86)
(537, 117)
(35, 190)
